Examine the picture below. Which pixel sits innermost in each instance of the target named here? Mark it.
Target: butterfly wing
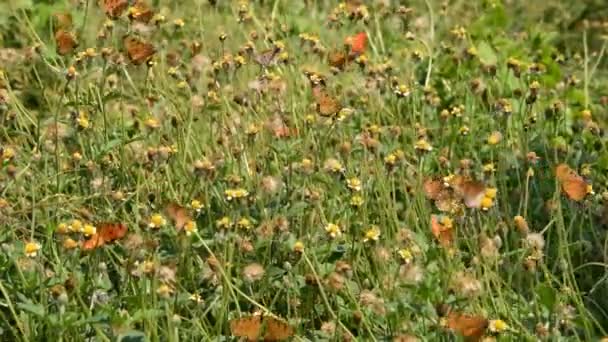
(141, 12)
(112, 231)
(575, 188)
(115, 8)
(247, 327)
(178, 214)
(94, 242)
(66, 42)
(138, 51)
(337, 60)
(357, 43)
(469, 326)
(432, 188)
(444, 235)
(277, 329)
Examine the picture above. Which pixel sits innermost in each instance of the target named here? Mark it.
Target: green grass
(119, 143)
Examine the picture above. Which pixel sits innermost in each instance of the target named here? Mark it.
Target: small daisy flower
(333, 165)
(406, 255)
(164, 291)
(88, 230)
(190, 227)
(235, 194)
(333, 230)
(152, 123)
(157, 221)
(489, 168)
(224, 222)
(494, 138)
(491, 193)
(356, 201)
(497, 326)
(486, 203)
(179, 23)
(464, 130)
(31, 249)
(196, 205)
(298, 246)
(70, 243)
(423, 145)
(244, 223)
(195, 297)
(372, 234)
(354, 184)
(83, 120)
(62, 228)
(75, 226)
(402, 90)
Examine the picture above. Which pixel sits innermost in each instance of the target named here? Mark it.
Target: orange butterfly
(179, 215)
(66, 42)
(471, 327)
(444, 234)
(471, 191)
(115, 8)
(337, 60)
(357, 43)
(138, 50)
(327, 105)
(573, 185)
(106, 233)
(253, 327)
(141, 12)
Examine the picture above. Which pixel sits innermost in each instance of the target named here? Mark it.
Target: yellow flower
(491, 193)
(75, 226)
(494, 138)
(179, 23)
(354, 184)
(487, 203)
(31, 249)
(447, 222)
(83, 120)
(464, 130)
(244, 223)
(497, 326)
(406, 255)
(196, 205)
(372, 234)
(489, 168)
(224, 222)
(152, 123)
(88, 230)
(590, 189)
(62, 228)
(333, 165)
(235, 194)
(423, 145)
(164, 291)
(190, 227)
(70, 243)
(402, 90)
(333, 230)
(157, 221)
(195, 297)
(298, 246)
(356, 201)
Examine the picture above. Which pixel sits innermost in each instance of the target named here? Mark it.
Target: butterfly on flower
(267, 57)
(62, 21)
(327, 105)
(357, 43)
(138, 50)
(65, 41)
(141, 11)
(115, 8)
(179, 215)
(572, 184)
(256, 327)
(471, 327)
(107, 232)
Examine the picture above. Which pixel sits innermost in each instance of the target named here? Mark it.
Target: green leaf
(546, 296)
(32, 308)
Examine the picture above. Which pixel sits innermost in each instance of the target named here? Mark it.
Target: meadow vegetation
(312, 170)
